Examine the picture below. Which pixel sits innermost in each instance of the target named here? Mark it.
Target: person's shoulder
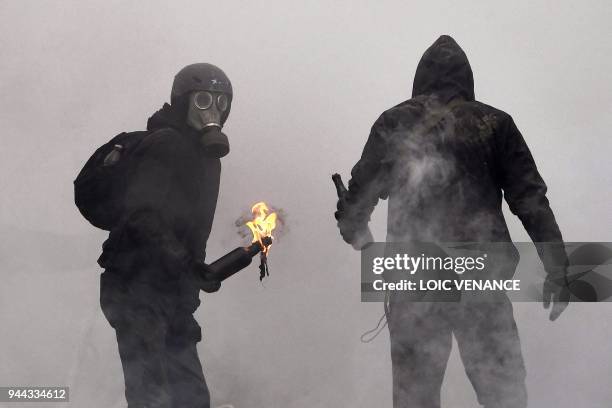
(164, 144)
(412, 106)
(490, 111)
(407, 111)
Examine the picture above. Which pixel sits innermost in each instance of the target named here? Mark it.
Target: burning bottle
(262, 225)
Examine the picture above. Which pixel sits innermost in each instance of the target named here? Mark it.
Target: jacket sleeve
(146, 220)
(368, 183)
(525, 192)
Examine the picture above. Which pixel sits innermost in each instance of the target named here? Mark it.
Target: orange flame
(262, 224)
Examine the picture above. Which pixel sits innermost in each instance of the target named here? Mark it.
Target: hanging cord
(365, 337)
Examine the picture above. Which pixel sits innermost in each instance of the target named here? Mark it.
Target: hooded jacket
(445, 161)
(169, 206)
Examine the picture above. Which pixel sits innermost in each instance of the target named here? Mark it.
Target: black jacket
(169, 204)
(445, 161)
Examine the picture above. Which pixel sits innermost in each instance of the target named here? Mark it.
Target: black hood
(168, 116)
(444, 70)
(211, 141)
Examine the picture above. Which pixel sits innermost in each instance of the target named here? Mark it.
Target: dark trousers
(157, 344)
(489, 345)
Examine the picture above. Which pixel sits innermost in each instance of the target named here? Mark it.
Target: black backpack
(100, 186)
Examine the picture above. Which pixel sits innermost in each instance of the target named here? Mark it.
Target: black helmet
(200, 77)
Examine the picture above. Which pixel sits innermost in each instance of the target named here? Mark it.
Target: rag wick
(263, 266)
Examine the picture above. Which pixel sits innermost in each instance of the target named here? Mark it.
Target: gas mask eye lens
(222, 102)
(203, 100)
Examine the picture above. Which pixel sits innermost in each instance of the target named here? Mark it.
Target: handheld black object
(364, 237)
(236, 260)
(340, 188)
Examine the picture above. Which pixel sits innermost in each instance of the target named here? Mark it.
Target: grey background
(310, 78)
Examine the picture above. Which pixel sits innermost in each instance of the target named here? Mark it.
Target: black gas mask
(205, 113)
(208, 92)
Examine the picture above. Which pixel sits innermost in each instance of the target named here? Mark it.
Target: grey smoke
(309, 79)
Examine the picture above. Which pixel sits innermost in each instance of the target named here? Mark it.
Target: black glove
(340, 207)
(204, 277)
(358, 235)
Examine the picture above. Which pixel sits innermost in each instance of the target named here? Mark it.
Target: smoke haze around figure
(156, 192)
(445, 161)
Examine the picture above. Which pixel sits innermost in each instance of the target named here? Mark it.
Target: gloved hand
(357, 235)
(555, 290)
(204, 277)
(347, 232)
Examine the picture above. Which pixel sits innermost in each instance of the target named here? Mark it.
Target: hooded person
(445, 161)
(154, 256)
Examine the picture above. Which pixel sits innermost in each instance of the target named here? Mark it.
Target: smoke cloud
(309, 81)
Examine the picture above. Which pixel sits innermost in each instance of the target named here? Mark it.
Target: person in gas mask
(444, 161)
(154, 257)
